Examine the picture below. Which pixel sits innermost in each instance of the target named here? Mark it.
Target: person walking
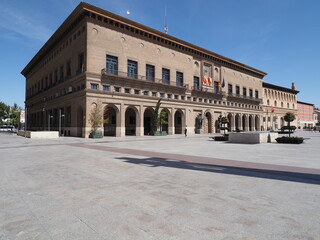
(185, 131)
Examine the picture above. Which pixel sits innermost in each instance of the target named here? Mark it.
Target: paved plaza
(168, 187)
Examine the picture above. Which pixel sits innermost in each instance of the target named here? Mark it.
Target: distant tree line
(9, 115)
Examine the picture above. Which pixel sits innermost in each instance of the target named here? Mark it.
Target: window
(237, 90)
(176, 96)
(150, 73)
(250, 93)
(132, 120)
(68, 69)
(112, 65)
(165, 76)
(169, 95)
(215, 86)
(116, 89)
(244, 91)
(136, 91)
(80, 63)
(179, 79)
(257, 94)
(132, 69)
(94, 86)
(189, 98)
(127, 90)
(229, 88)
(154, 94)
(55, 77)
(61, 73)
(194, 99)
(182, 97)
(145, 93)
(161, 95)
(106, 88)
(200, 99)
(196, 83)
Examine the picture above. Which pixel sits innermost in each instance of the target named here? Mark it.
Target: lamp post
(60, 116)
(50, 116)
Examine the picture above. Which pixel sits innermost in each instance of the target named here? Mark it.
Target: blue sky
(280, 37)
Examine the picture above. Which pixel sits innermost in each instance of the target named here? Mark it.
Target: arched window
(275, 103)
(287, 105)
(268, 102)
(282, 104)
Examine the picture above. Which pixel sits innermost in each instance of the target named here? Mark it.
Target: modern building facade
(97, 58)
(306, 115)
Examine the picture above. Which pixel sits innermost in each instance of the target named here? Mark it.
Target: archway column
(253, 123)
(140, 123)
(246, 125)
(171, 122)
(121, 126)
(240, 122)
(233, 122)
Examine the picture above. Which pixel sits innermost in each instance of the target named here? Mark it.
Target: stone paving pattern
(171, 187)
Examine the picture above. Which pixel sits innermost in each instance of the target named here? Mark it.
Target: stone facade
(99, 58)
(306, 115)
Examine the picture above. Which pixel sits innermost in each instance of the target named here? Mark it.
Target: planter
(158, 133)
(221, 138)
(95, 135)
(291, 140)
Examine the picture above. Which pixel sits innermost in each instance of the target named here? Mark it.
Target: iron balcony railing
(244, 97)
(140, 77)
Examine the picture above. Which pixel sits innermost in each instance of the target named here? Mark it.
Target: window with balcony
(112, 65)
(179, 79)
(196, 83)
(251, 93)
(244, 91)
(132, 69)
(230, 89)
(165, 76)
(257, 94)
(150, 73)
(216, 86)
(237, 90)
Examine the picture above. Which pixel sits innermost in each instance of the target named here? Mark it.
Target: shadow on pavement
(248, 172)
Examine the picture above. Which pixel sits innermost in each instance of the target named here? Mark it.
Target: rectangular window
(251, 93)
(257, 94)
(112, 65)
(150, 73)
(61, 74)
(94, 86)
(106, 88)
(127, 90)
(145, 93)
(165, 76)
(176, 96)
(244, 91)
(55, 77)
(215, 86)
(116, 89)
(179, 79)
(154, 94)
(136, 91)
(50, 80)
(169, 95)
(132, 69)
(230, 88)
(189, 98)
(194, 99)
(80, 63)
(237, 90)
(196, 83)
(68, 117)
(68, 69)
(161, 95)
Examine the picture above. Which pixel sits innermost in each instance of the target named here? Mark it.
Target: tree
(4, 112)
(96, 118)
(289, 117)
(155, 117)
(163, 119)
(224, 121)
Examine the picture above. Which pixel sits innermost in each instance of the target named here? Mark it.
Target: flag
(272, 110)
(223, 84)
(209, 81)
(219, 84)
(204, 80)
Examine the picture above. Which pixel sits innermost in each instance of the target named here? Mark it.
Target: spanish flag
(204, 80)
(209, 81)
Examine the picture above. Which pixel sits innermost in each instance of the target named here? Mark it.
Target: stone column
(233, 122)
(247, 123)
(253, 123)
(171, 122)
(121, 123)
(140, 122)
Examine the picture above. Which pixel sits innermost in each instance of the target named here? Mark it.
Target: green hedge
(294, 140)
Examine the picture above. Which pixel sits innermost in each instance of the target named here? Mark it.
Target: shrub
(294, 140)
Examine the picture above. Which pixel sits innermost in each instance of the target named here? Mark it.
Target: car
(7, 128)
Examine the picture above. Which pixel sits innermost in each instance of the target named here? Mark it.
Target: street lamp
(60, 116)
(50, 116)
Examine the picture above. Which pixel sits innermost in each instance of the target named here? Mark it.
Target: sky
(279, 37)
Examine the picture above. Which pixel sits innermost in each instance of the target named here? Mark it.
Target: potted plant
(223, 121)
(289, 117)
(96, 120)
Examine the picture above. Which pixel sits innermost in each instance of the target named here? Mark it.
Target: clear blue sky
(280, 37)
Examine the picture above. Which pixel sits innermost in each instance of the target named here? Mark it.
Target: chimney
(293, 86)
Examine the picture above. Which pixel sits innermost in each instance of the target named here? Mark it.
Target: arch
(230, 122)
(110, 120)
(282, 104)
(79, 121)
(268, 102)
(244, 122)
(178, 122)
(251, 123)
(257, 123)
(165, 126)
(275, 103)
(237, 122)
(288, 105)
(208, 122)
(147, 120)
(131, 121)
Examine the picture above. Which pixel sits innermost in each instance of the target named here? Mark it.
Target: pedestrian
(185, 131)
